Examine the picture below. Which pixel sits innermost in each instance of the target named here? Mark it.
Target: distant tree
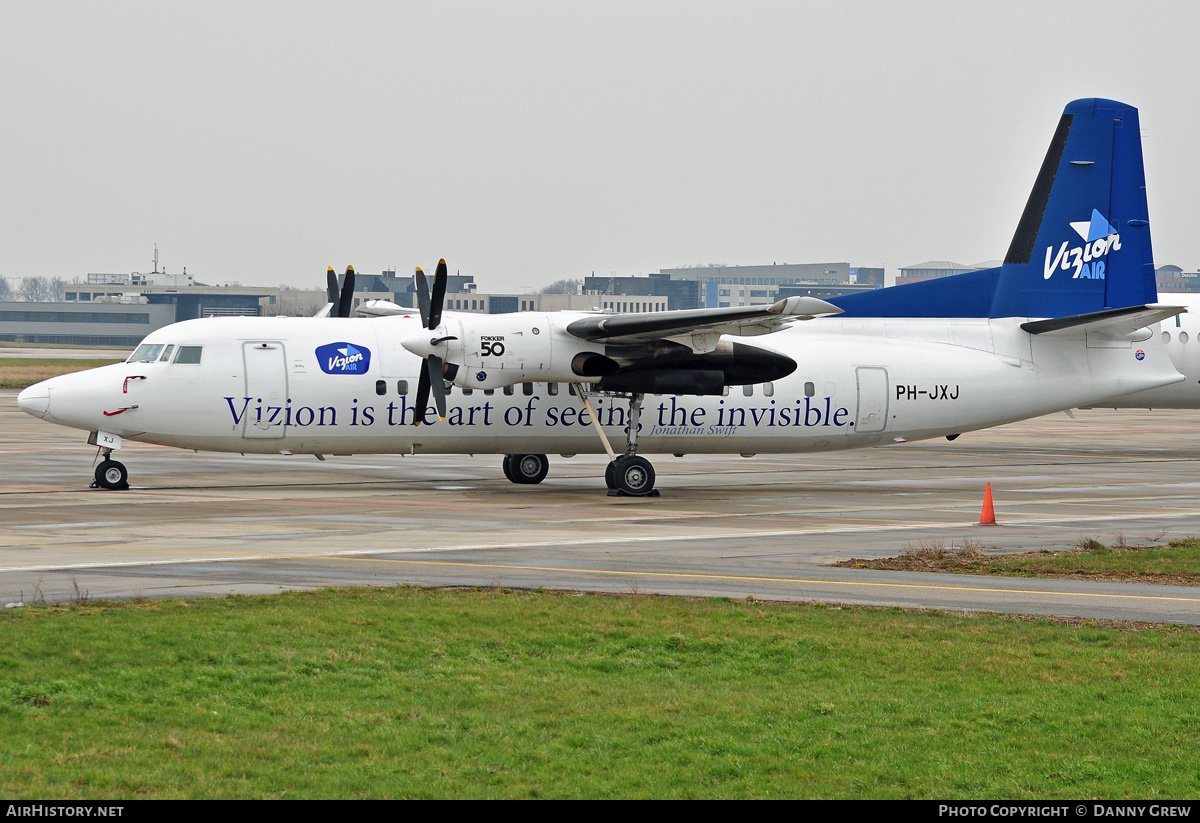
(33, 289)
(6, 292)
(567, 285)
(56, 289)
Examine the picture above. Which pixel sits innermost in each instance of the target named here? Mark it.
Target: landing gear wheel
(634, 476)
(507, 466)
(112, 475)
(528, 469)
(610, 478)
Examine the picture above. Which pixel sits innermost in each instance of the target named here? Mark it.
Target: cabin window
(748, 390)
(552, 389)
(724, 391)
(509, 389)
(810, 389)
(381, 387)
(188, 354)
(769, 389)
(401, 387)
(1183, 337)
(488, 392)
(146, 353)
(527, 389)
(571, 389)
(166, 357)
(1166, 337)
(468, 392)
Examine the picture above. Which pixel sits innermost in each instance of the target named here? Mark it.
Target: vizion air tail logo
(344, 358)
(1099, 238)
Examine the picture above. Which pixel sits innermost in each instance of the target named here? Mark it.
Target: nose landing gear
(111, 474)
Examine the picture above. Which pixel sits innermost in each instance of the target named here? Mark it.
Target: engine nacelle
(493, 351)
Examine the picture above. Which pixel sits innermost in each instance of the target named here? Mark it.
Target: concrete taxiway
(767, 527)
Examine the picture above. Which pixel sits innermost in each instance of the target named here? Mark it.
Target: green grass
(1176, 564)
(427, 693)
(20, 372)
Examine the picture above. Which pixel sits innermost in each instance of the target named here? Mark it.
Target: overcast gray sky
(529, 141)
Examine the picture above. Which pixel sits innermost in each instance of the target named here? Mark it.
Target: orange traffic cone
(988, 516)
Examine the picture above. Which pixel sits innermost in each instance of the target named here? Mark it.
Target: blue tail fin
(1083, 242)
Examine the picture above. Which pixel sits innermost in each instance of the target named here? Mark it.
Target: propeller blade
(433, 371)
(422, 297)
(422, 397)
(331, 279)
(439, 296)
(343, 309)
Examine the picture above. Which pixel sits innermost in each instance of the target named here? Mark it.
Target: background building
(932, 269)
(722, 286)
(118, 309)
(100, 324)
(1168, 278)
(657, 289)
(1173, 279)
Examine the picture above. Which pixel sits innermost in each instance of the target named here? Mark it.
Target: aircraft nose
(35, 400)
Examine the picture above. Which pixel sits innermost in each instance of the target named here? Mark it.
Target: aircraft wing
(698, 328)
(382, 308)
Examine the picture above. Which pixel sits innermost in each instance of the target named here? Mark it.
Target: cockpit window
(166, 355)
(146, 353)
(188, 354)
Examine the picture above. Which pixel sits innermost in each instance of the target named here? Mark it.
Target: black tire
(507, 466)
(634, 476)
(112, 475)
(610, 478)
(528, 469)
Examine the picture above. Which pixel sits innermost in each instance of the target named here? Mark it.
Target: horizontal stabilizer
(1109, 321)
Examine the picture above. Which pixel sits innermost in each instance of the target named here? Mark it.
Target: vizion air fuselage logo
(344, 358)
(1099, 238)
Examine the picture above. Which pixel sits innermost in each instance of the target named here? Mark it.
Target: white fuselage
(1181, 337)
(259, 387)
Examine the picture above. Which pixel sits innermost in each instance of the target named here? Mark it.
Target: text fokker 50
(1065, 322)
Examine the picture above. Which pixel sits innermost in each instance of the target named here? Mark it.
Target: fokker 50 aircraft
(1068, 320)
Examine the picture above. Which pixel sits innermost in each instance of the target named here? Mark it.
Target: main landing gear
(627, 475)
(526, 469)
(630, 475)
(110, 474)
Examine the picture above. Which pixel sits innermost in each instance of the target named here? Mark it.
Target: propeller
(431, 348)
(341, 298)
(331, 280)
